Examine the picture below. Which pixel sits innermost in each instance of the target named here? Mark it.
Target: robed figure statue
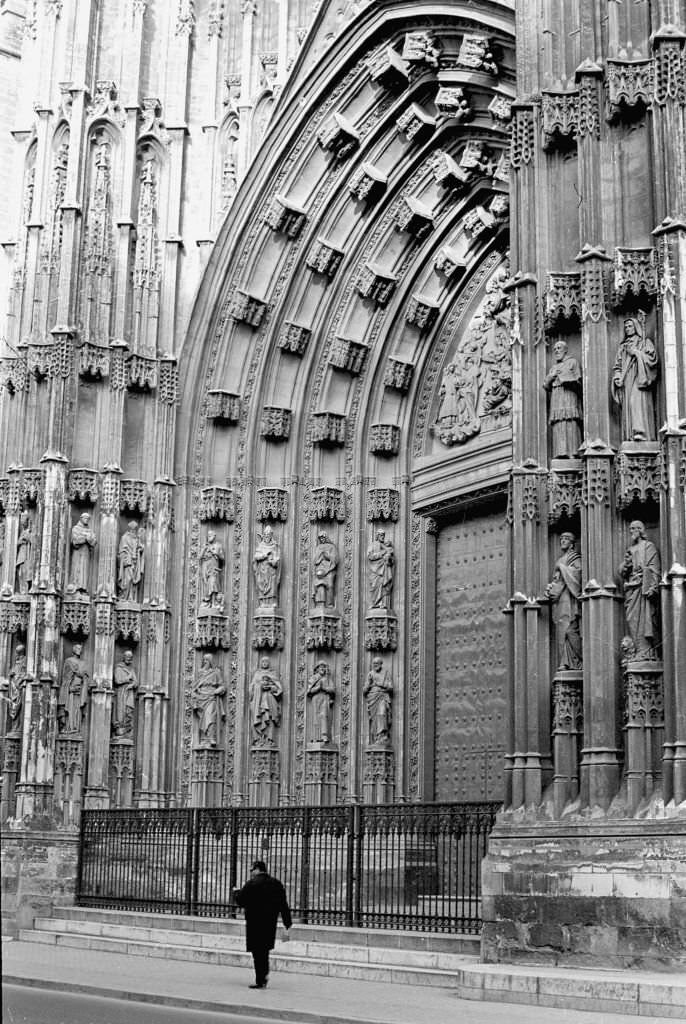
(266, 565)
(633, 381)
(564, 592)
(641, 574)
(208, 701)
(378, 691)
(264, 695)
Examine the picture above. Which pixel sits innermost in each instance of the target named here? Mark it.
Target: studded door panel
(471, 578)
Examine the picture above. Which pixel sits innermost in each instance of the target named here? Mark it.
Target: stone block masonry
(38, 876)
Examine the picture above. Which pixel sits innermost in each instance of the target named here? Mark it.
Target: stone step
(303, 964)
(456, 944)
(233, 940)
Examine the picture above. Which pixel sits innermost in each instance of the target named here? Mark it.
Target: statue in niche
(73, 694)
(378, 692)
(130, 562)
(477, 383)
(265, 710)
(640, 571)
(209, 701)
(125, 684)
(15, 692)
(565, 416)
(322, 693)
(634, 375)
(25, 555)
(266, 566)
(381, 559)
(211, 565)
(83, 540)
(325, 569)
(564, 592)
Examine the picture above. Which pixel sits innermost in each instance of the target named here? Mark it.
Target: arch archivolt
(354, 253)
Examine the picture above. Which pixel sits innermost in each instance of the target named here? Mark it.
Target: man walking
(263, 898)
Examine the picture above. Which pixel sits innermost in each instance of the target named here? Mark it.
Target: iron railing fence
(402, 866)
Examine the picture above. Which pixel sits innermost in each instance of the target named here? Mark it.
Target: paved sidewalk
(301, 998)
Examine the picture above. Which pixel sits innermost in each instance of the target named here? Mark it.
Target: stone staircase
(409, 958)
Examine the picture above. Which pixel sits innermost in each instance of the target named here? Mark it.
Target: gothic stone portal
(471, 592)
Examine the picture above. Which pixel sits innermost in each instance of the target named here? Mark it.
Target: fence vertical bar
(350, 867)
(303, 898)
(358, 830)
(188, 895)
(233, 858)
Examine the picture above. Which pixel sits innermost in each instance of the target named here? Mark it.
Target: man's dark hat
(259, 865)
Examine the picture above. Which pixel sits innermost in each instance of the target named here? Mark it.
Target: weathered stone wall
(38, 874)
(611, 894)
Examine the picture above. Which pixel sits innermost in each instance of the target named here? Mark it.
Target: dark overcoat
(263, 898)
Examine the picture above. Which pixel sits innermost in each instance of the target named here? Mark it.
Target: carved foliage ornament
(327, 503)
(348, 355)
(629, 86)
(523, 138)
(567, 706)
(644, 699)
(637, 477)
(562, 301)
(83, 486)
(635, 274)
(223, 406)
(294, 338)
(560, 118)
(388, 68)
(383, 503)
(328, 428)
(670, 66)
(564, 492)
(272, 504)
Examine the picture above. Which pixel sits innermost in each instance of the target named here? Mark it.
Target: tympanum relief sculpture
(321, 692)
(640, 571)
(325, 566)
(208, 700)
(83, 540)
(131, 563)
(564, 592)
(565, 416)
(125, 684)
(266, 564)
(634, 376)
(212, 559)
(477, 383)
(264, 695)
(378, 694)
(73, 693)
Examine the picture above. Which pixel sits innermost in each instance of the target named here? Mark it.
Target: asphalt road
(23, 1005)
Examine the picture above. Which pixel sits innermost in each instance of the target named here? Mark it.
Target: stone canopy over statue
(640, 571)
(266, 564)
(634, 375)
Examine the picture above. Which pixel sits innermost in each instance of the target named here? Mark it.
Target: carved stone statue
(322, 693)
(125, 685)
(264, 695)
(378, 692)
(73, 694)
(208, 697)
(15, 693)
(633, 381)
(130, 562)
(212, 559)
(325, 569)
(641, 574)
(25, 555)
(83, 540)
(564, 591)
(381, 559)
(565, 416)
(266, 566)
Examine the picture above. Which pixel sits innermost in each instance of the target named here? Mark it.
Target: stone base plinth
(379, 775)
(321, 774)
(38, 875)
(586, 892)
(265, 777)
(207, 776)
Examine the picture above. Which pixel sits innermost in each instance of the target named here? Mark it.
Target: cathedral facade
(343, 423)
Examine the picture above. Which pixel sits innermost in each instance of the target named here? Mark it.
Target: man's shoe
(257, 986)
